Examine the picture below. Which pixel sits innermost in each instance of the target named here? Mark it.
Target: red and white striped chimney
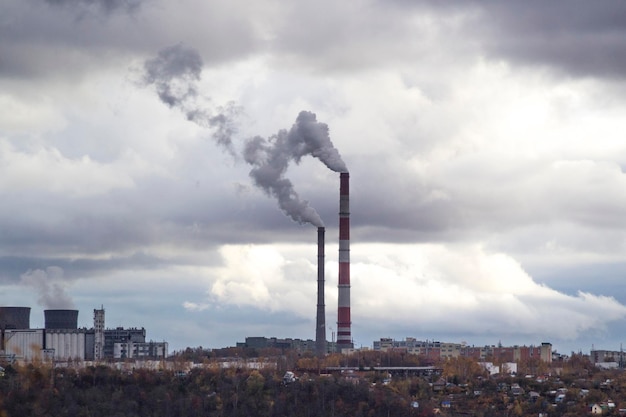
(344, 334)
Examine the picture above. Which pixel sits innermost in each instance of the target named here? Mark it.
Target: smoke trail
(175, 73)
(270, 159)
(49, 287)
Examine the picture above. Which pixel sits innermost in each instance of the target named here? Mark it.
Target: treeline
(463, 388)
(287, 359)
(101, 391)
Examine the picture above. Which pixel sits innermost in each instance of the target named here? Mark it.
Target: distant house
(607, 365)
(490, 367)
(534, 396)
(517, 390)
(596, 409)
(440, 385)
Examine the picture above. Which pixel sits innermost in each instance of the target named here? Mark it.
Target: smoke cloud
(49, 287)
(271, 159)
(175, 73)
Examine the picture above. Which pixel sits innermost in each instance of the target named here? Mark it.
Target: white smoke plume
(175, 73)
(50, 287)
(271, 158)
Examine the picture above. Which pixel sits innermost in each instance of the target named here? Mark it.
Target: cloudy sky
(162, 159)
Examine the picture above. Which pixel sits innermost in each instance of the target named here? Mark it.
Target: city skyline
(146, 150)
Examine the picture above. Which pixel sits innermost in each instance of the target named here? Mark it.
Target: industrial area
(62, 341)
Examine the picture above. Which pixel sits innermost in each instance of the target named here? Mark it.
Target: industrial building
(300, 345)
(62, 340)
(442, 350)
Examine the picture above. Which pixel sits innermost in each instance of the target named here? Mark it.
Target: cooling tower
(344, 333)
(61, 319)
(320, 333)
(14, 318)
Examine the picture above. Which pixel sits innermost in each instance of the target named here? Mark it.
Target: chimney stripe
(344, 333)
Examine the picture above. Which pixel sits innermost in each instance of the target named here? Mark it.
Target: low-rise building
(441, 350)
(140, 350)
(301, 345)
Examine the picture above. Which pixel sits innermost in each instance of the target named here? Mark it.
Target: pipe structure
(320, 332)
(344, 333)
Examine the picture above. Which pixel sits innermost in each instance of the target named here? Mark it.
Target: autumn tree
(462, 369)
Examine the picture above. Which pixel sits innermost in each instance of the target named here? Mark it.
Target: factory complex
(61, 339)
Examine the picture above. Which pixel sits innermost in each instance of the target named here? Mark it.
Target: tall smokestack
(344, 334)
(320, 333)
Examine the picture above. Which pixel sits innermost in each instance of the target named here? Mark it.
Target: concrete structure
(429, 349)
(14, 318)
(121, 335)
(300, 345)
(145, 350)
(89, 345)
(450, 350)
(436, 350)
(320, 322)
(98, 327)
(506, 368)
(344, 323)
(61, 340)
(67, 344)
(604, 356)
(25, 344)
(61, 319)
(545, 353)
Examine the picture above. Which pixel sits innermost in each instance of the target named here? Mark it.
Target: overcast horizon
(171, 161)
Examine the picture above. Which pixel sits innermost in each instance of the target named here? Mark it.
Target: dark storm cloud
(393, 204)
(53, 39)
(577, 37)
(127, 225)
(12, 267)
(81, 6)
(65, 39)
